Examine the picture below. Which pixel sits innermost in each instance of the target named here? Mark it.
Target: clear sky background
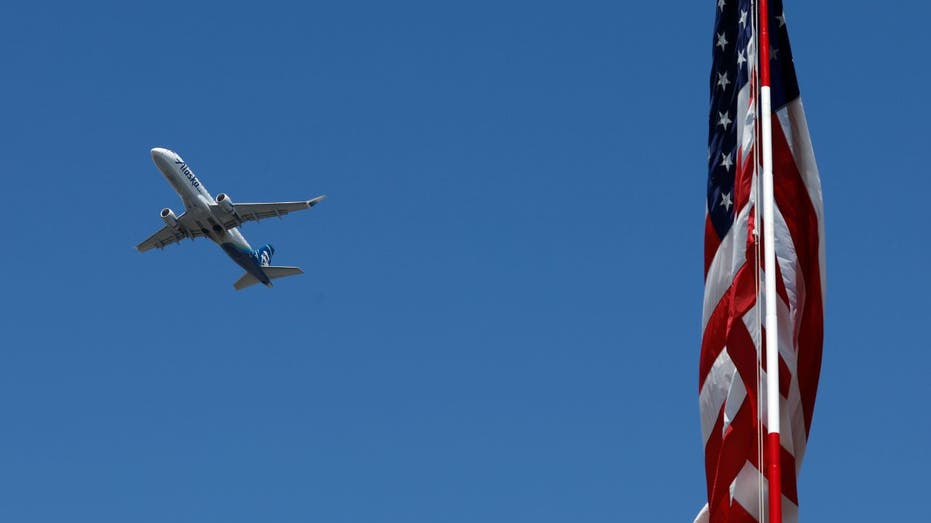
(500, 320)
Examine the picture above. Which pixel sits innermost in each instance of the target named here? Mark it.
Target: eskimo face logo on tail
(264, 255)
(188, 173)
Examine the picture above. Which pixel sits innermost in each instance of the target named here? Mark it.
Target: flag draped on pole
(731, 368)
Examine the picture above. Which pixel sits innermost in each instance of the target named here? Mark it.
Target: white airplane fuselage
(197, 202)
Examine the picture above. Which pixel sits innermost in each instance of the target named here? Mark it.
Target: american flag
(733, 406)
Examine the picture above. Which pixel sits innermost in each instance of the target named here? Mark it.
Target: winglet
(315, 201)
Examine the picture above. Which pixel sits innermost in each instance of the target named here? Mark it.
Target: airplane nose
(161, 157)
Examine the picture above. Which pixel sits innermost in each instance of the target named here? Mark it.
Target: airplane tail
(247, 279)
(264, 254)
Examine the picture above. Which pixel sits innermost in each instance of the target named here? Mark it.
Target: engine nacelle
(224, 201)
(169, 217)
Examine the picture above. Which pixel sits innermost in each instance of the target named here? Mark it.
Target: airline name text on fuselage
(187, 172)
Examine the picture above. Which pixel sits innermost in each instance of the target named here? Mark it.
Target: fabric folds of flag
(733, 411)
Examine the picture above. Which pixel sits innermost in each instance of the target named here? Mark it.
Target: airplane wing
(168, 235)
(244, 212)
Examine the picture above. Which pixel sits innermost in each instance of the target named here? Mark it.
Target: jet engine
(169, 217)
(224, 200)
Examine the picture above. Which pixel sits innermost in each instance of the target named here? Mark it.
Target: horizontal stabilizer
(282, 272)
(248, 280)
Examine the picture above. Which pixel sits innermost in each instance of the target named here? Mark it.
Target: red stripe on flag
(738, 299)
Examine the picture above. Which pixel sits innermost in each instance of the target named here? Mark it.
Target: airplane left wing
(165, 236)
(244, 212)
(168, 235)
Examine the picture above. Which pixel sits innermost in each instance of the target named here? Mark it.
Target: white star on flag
(722, 80)
(726, 161)
(724, 119)
(726, 201)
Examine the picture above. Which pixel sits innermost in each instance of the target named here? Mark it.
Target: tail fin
(264, 254)
(248, 280)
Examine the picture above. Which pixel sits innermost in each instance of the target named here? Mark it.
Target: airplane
(219, 219)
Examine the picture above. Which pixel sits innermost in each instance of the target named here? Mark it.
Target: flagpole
(773, 446)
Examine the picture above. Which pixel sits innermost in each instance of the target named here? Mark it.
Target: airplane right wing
(244, 212)
(168, 235)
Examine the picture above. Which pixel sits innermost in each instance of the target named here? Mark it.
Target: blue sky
(501, 312)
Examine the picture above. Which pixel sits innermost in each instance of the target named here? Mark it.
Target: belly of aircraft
(245, 259)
